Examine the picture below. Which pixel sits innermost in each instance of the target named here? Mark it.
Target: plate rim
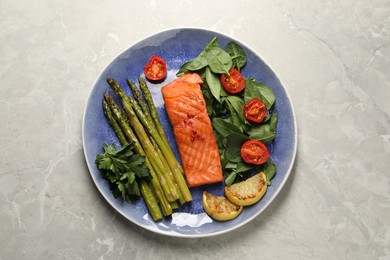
(195, 235)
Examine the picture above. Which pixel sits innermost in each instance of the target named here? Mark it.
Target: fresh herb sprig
(123, 169)
(231, 129)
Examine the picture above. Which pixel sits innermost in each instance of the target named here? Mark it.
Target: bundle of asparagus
(138, 122)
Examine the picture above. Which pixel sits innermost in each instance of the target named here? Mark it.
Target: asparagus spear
(138, 97)
(153, 111)
(181, 197)
(145, 140)
(113, 123)
(171, 160)
(147, 194)
(156, 184)
(150, 201)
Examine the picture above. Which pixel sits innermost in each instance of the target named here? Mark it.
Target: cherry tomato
(155, 69)
(254, 152)
(255, 110)
(233, 83)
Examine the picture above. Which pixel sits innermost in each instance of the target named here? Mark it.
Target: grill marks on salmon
(187, 113)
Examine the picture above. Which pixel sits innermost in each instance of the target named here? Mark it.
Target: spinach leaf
(262, 133)
(197, 63)
(269, 169)
(208, 96)
(218, 60)
(231, 165)
(214, 83)
(251, 91)
(274, 121)
(233, 147)
(226, 128)
(265, 132)
(237, 54)
(221, 143)
(220, 108)
(229, 180)
(232, 154)
(238, 104)
(212, 43)
(239, 170)
(183, 69)
(200, 61)
(254, 89)
(235, 120)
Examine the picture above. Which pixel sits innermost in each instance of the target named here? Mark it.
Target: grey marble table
(334, 59)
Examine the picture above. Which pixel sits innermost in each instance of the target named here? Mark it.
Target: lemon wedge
(220, 208)
(247, 192)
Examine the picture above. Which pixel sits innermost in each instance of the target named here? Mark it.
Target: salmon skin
(187, 113)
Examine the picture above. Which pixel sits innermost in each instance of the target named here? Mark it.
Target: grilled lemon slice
(220, 208)
(247, 192)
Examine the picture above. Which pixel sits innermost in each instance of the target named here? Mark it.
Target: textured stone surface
(333, 58)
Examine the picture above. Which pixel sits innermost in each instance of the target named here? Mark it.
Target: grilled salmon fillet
(187, 113)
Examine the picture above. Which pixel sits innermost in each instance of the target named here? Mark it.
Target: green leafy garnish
(254, 89)
(238, 55)
(265, 132)
(214, 83)
(123, 169)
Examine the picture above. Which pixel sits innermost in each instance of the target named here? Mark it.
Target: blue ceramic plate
(177, 46)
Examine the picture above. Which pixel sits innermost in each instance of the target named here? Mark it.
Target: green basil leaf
(238, 55)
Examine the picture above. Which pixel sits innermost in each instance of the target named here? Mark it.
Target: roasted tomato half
(255, 110)
(234, 83)
(155, 69)
(254, 152)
